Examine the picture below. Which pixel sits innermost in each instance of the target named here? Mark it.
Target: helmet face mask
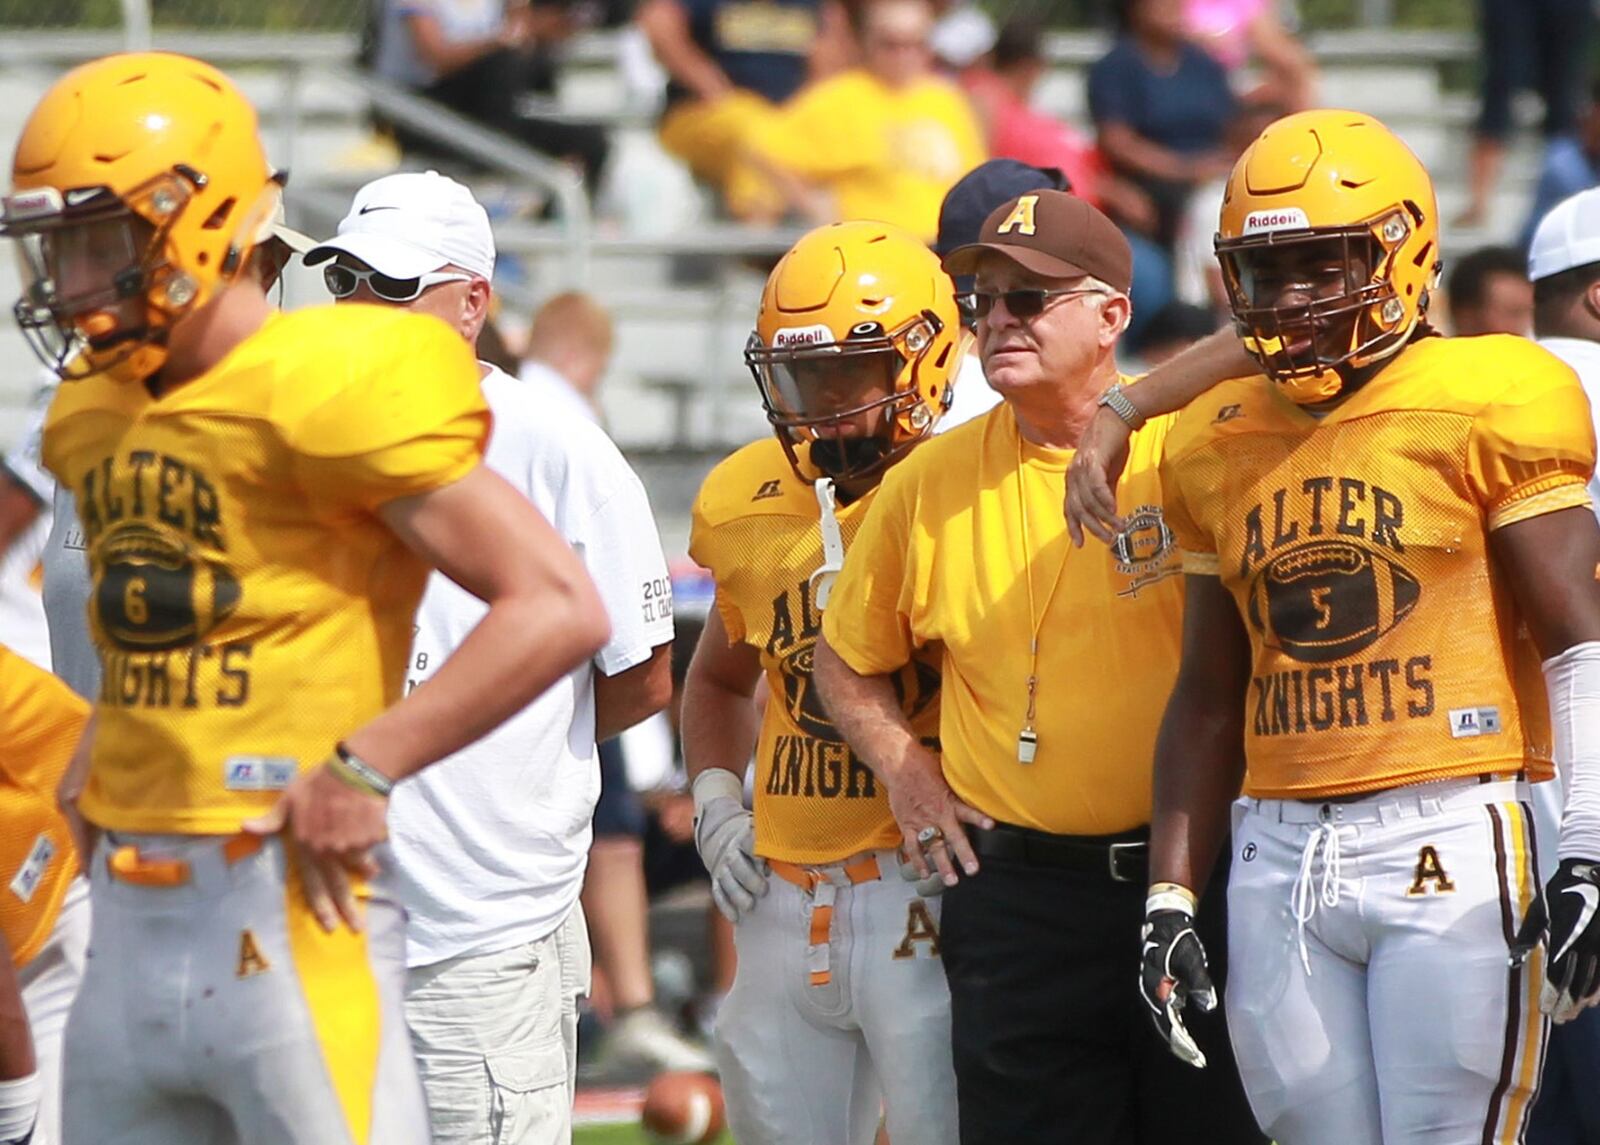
(841, 398)
(96, 277)
(1300, 299)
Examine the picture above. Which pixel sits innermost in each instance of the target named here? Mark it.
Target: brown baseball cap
(1052, 233)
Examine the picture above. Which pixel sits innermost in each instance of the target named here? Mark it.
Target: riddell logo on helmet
(1282, 219)
(799, 337)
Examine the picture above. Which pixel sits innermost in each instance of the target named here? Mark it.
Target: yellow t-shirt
(1387, 648)
(941, 558)
(248, 604)
(40, 722)
(756, 527)
(888, 154)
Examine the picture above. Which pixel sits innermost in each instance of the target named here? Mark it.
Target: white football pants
(1370, 996)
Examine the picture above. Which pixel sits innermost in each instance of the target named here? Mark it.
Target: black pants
(1052, 1042)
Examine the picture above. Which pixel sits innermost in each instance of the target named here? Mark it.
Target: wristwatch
(1117, 402)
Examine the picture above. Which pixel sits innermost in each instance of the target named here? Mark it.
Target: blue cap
(983, 189)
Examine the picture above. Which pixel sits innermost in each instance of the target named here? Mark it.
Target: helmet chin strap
(832, 545)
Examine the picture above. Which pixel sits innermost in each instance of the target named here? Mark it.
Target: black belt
(1123, 861)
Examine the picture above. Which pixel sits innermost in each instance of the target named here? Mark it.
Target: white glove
(724, 834)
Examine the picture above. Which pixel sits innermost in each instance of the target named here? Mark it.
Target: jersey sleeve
(706, 549)
(404, 417)
(1199, 548)
(621, 549)
(41, 720)
(1531, 451)
(870, 614)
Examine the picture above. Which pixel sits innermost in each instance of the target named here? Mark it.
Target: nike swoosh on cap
(369, 208)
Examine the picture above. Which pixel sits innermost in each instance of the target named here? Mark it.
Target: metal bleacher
(681, 285)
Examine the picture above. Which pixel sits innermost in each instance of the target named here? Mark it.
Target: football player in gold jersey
(262, 497)
(840, 1005)
(1383, 537)
(44, 910)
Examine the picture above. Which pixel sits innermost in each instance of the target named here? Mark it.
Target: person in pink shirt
(1237, 32)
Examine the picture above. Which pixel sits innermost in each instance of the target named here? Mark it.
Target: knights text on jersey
(1387, 648)
(40, 722)
(248, 604)
(756, 527)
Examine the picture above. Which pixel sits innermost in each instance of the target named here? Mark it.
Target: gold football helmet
(1335, 197)
(856, 348)
(139, 186)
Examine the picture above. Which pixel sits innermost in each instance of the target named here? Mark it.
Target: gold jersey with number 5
(1387, 649)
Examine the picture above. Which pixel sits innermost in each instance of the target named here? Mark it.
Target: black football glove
(1173, 954)
(1572, 974)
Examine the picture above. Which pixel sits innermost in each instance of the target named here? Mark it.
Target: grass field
(621, 1135)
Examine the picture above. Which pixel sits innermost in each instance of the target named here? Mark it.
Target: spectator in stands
(1002, 93)
(1240, 32)
(730, 65)
(1545, 41)
(568, 350)
(883, 141)
(1161, 108)
(490, 844)
(1489, 293)
(1171, 331)
(1571, 164)
(477, 57)
(1564, 263)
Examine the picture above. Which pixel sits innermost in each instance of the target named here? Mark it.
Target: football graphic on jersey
(153, 594)
(1329, 600)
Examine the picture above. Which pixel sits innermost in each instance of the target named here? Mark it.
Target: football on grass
(683, 1109)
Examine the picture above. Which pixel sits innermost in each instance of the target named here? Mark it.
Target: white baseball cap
(409, 224)
(1568, 236)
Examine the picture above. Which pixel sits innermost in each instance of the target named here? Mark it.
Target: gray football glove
(724, 834)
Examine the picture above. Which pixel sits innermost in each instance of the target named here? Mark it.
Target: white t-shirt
(459, 21)
(491, 843)
(66, 600)
(1584, 358)
(22, 624)
(974, 397)
(554, 388)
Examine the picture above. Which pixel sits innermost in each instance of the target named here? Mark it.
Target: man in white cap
(491, 844)
(1564, 264)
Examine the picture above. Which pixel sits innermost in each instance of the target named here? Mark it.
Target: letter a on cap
(1021, 217)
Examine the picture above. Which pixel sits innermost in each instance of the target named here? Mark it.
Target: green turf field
(621, 1135)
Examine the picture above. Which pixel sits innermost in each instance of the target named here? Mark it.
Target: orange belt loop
(127, 865)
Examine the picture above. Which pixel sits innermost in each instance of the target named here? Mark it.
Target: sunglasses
(343, 281)
(1020, 304)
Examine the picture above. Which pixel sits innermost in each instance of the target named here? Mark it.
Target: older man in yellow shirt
(1053, 667)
